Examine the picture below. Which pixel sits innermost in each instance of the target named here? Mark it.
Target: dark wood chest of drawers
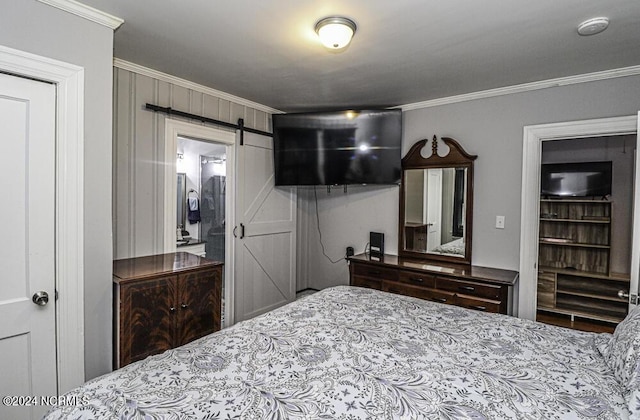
(161, 302)
(479, 288)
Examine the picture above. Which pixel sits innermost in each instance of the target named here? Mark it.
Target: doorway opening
(533, 139)
(200, 198)
(201, 182)
(584, 250)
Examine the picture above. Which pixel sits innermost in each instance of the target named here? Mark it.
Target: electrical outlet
(350, 251)
(499, 222)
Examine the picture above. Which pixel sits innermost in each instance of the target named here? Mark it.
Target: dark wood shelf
(604, 222)
(577, 234)
(614, 277)
(568, 200)
(575, 244)
(580, 314)
(591, 295)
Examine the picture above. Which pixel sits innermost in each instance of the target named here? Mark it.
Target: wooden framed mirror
(436, 203)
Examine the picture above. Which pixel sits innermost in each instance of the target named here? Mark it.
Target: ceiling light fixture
(335, 32)
(593, 26)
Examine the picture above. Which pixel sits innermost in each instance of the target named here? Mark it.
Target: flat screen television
(338, 148)
(582, 179)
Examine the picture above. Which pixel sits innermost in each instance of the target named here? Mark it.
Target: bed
(352, 353)
(455, 247)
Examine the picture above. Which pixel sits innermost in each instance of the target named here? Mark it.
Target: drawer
(366, 282)
(484, 305)
(470, 288)
(417, 279)
(369, 270)
(418, 291)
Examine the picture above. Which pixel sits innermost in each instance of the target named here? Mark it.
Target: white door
(27, 165)
(434, 208)
(265, 232)
(634, 285)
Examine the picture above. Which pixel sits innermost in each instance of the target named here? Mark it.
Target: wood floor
(577, 324)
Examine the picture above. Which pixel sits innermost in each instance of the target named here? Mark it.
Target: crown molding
(86, 12)
(526, 87)
(145, 71)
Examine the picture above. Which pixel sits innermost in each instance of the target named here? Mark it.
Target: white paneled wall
(138, 151)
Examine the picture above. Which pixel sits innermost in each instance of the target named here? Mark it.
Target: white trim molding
(526, 87)
(533, 137)
(86, 12)
(154, 74)
(69, 217)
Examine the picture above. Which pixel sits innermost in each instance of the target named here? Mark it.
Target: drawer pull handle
(467, 288)
(172, 309)
(441, 300)
(184, 306)
(416, 279)
(478, 308)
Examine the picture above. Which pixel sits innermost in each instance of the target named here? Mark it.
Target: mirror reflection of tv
(581, 179)
(338, 147)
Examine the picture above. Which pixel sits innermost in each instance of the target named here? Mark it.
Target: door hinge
(633, 299)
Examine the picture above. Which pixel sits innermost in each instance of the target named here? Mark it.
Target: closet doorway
(534, 136)
(584, 251)
(205, 159)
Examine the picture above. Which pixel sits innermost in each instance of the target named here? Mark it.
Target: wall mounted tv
(338, 148)
(582, 179)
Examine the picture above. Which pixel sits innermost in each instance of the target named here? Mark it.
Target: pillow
(623, 352)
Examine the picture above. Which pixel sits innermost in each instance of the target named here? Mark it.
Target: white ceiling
(404, 51)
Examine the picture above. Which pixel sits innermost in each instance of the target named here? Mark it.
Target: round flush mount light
(593, 26)
(335, 32)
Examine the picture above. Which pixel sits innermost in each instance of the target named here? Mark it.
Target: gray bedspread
(354, 353)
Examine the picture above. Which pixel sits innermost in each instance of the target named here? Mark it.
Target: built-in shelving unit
(574, 275)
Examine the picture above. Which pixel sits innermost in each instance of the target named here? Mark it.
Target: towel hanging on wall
(193, 209)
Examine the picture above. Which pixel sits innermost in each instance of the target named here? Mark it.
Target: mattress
(352, 353)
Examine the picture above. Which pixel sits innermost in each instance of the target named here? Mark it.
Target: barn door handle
(241, 231)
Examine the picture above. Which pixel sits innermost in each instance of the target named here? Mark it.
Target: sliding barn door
(265, 233)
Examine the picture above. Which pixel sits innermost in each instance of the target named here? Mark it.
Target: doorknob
(40, 298)
(623, 295)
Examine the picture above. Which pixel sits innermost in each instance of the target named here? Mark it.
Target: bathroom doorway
(213, 188)
(202, 165)
(187, 147)
(201, 227)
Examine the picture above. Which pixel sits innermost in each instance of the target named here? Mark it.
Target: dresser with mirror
(435, 236)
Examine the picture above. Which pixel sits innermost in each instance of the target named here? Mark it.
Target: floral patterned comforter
(354, 353)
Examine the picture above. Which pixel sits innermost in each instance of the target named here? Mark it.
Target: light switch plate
(499, 222)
